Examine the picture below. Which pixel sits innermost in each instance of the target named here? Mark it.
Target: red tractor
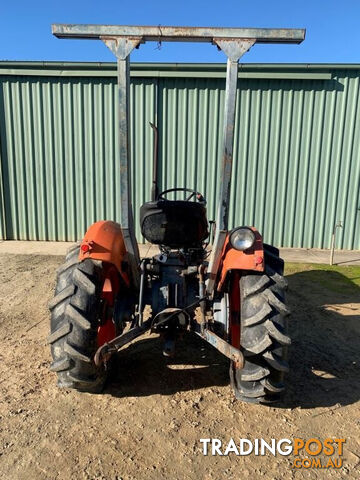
(235, 300)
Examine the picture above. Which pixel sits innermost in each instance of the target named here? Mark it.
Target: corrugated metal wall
(60, 163)
(297, 152)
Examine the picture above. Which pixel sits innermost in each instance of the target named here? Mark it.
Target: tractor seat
(174, 223)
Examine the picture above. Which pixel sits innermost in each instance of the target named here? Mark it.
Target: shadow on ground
(325, 328)
(142, 370)
(324, 357)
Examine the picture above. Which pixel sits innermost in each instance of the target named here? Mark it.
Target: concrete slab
(314, 255)
(296, 255)
(20, 247)
(34, 248)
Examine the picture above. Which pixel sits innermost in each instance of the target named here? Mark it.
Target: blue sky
(333, 28)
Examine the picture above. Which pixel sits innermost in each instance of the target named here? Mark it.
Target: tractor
(224, 285)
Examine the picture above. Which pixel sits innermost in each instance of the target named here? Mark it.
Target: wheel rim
(107, 329)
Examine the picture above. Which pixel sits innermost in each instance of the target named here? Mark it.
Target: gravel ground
(149, 420)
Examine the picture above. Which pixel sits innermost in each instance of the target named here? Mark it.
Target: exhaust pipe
(155, 187)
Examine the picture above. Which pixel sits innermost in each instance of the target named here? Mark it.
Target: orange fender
(104, 241)
(232, 259)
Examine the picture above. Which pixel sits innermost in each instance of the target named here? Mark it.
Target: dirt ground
(149, 420)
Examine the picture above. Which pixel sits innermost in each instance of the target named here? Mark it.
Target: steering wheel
(193, 193)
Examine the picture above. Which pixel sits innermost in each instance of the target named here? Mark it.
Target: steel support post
(121, 48)
(234, 50)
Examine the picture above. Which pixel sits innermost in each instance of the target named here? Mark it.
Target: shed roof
(205, 70)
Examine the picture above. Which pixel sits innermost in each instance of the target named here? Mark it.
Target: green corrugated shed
(297, 146)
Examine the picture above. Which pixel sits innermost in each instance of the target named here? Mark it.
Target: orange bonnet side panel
(232, 259)
(104, 241)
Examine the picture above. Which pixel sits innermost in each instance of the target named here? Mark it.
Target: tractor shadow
(325, 330)
(142, 370)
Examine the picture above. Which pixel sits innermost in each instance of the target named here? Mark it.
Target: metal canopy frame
(234, 42)
(178, 34)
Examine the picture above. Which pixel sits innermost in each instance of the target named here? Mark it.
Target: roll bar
(121, 40)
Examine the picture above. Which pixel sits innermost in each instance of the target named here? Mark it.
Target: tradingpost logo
(308, 453)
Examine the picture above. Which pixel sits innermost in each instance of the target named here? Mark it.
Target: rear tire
(264, 340)
(75, 313)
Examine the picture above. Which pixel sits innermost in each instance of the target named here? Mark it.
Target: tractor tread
(255, 372)
(73, 260)
(61, 365)
(276, 362)
(65, 383)
(257, 345)
(256, 287)
(275, 302)
(82, 281)
(254, 390)
(74, 353)
(263, 335)
(74, 247)
(74, 322)
(77, 317)
(59, 333)
(264, 399)
(271, 386)
(275, 333)
(272, 255)
(81, 380)
(60, 297)
(271, 250)
(278, 279)
(258, 317)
